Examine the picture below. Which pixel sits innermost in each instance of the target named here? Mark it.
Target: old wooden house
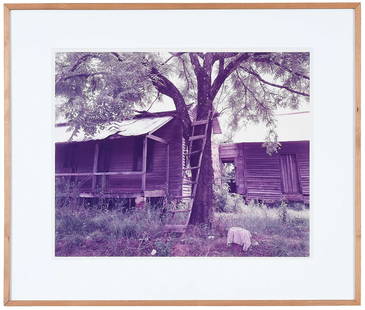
(256, 175)
(141, 157)
(144, 157)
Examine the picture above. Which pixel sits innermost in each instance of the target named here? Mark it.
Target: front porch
(142, 181)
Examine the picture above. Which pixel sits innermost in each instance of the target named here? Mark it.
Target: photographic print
(182, 153)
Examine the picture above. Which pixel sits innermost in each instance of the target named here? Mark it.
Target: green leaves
(97, 88)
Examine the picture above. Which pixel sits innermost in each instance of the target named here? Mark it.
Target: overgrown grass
(258, 218)
(97, 230)
(277, 231)
(100, 231)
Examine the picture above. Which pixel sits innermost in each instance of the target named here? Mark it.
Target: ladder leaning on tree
(195, 149)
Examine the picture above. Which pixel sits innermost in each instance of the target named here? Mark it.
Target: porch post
(144, 164)
(95, 165)
(167, 168)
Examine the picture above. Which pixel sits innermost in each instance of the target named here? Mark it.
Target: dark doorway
(229, 175)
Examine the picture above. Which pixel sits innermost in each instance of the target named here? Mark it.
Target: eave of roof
(133, 127)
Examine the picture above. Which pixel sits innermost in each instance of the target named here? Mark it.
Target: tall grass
(84, 227)
(280, 231)
(261, 219)
(101, 228)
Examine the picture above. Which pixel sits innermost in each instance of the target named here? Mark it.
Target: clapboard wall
(259, 176)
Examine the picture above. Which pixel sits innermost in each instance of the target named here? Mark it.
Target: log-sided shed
(270, 178)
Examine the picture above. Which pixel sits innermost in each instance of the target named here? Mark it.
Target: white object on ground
(140, 201)
(239, 235)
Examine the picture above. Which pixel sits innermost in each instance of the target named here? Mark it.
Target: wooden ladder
(180, 228)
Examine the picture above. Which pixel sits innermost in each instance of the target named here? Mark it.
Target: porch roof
(133, 127)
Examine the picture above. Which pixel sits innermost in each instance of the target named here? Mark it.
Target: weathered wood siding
(259, 176)
(172, 132)
(69, 160)
(186, 188)
(113, 157)
(74, 157)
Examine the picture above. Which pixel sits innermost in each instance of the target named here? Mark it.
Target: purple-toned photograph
(182, 154)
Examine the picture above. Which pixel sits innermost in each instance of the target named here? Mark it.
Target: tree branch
(222, 56)
(198, 69)
(273, 84)
(86, 75)
(223, 75)
(117, 56)
(81, 60)
(178, 55)
(285, 68)
(221, 66)
(166, 87)
(189, 80)
(291, 71)
(208, 64)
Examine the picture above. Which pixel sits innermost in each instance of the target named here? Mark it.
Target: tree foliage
(95, 89)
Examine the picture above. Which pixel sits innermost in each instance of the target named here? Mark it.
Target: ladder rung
(183, 197)
(189, 182)
(196, 151)
(200, 122)
(196, 137)
(175, 228)
(179, 211)
(191, 168)
(193, 152)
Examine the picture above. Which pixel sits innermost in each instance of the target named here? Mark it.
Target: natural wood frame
(177, 6)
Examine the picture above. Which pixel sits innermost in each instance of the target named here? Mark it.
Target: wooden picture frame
(8, 8)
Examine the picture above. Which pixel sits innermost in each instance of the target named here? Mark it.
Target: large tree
(95, 89)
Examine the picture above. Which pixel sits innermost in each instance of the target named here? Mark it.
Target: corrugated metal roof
(290, 127)
(134, 127)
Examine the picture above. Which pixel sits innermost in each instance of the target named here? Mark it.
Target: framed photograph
(216, 163)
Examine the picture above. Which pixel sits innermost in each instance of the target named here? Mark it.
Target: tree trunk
(203, 200)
